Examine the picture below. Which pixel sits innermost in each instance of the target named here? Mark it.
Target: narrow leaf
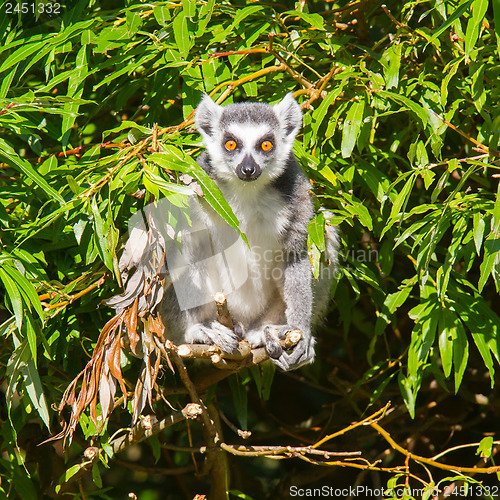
(9, 156)
(460, 10)
(352, 126)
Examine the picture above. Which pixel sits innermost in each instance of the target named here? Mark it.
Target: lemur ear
(290, 115)
(207, 116)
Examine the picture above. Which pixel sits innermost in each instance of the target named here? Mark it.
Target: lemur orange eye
(266, 146)
(230, 145)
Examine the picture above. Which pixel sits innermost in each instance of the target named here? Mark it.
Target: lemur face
(249, 141)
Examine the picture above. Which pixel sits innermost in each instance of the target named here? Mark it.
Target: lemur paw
(301, 354)
(214, 333)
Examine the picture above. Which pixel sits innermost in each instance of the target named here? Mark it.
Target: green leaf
(29, 293)
(483, 324)
(9, 156)
(7, 82)
(391, 303)
(316, 229)
(173, 158)
(242, 14)
(419, 111)
(460, 353)
(380, 389)
(357, 209)
(162, 14)
(478, 90)
(320, 113)
(407, 393)
(76, 83)
(447, 334)
(205, 15)
(106, 238)
(96, 475)
(479, 226)
(22, 363)
(134, 22)
(154, 442)
(22, 54)
(485, 447)
(32, 340)
(315, 20)
(352, 127)
(496, 17)
(391, 61)
(479, 8)
(167, 187)
(240, 399)
(464, 5)
(487, 268)
(400, 203)
(68, 475)
(14, 296)
(181, 34)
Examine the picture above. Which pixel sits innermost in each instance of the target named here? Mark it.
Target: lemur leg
(298, 309)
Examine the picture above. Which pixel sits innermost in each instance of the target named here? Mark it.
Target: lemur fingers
(270, 337)
(213, 333)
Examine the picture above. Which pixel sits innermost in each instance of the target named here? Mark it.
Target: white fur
(256, 269)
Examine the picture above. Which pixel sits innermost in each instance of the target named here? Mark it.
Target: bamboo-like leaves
(474, 24)
(9, 156)
(174, 159)
(400, 139)
(22, 363)
(352, 127)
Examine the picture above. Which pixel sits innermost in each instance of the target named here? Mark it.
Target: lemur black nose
(248, 169)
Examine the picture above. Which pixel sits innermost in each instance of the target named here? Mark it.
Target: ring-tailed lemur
(249, 155)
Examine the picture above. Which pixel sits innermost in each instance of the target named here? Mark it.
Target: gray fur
(255, 112)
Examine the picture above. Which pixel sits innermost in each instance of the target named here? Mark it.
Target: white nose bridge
(249, 133)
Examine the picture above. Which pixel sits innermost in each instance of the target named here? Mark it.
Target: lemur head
(250, 140)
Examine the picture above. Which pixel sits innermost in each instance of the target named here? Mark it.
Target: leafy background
(400, 141)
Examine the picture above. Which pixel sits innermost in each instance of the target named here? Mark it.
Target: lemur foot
(302, 353)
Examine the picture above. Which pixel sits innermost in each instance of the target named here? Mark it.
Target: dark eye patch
(265, 138)
(229, 137)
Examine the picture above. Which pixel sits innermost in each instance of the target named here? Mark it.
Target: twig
(146, 428)
(154, 146)
(223, 315)
(459, 447)
(236, 83)
(318, 88)
(91, 190)
(430, 461)
(215, 55)
(243, 434)
(79, 150)
(367, 421)
(72, 298)
(482, 147)
(393, 19)
(283, 451)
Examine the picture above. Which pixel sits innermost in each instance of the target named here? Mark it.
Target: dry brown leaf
(131, 324)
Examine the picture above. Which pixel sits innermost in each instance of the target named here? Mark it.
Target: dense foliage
(401, 142)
